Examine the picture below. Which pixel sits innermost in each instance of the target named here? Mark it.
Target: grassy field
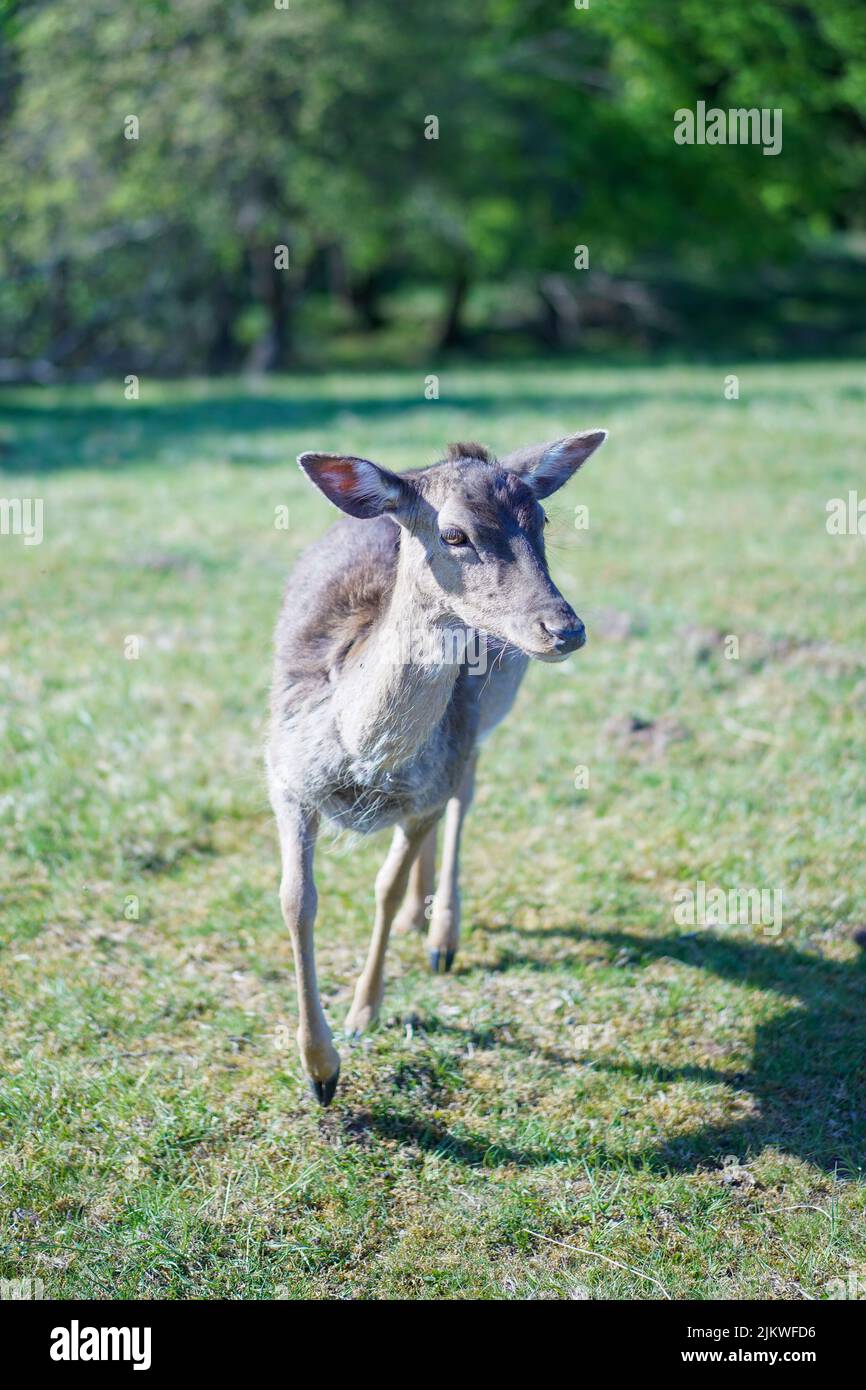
(598, 1102)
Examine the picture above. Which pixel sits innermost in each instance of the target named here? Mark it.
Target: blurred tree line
(306, 127)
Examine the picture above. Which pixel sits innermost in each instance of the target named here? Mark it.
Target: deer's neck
(395, 689)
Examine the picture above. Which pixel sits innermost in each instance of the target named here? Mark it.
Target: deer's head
(473, 534)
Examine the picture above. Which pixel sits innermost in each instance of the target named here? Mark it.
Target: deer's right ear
(356, 486)
(545, 467)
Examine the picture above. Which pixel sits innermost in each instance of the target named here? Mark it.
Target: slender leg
(298, 900)
(391, 882)
(444, 934)
(414, 914)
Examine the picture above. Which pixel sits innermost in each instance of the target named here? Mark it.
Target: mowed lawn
(599, 1101)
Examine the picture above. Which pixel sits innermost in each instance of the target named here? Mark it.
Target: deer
(379, 701)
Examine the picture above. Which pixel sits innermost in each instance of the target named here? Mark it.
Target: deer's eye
(452, 535)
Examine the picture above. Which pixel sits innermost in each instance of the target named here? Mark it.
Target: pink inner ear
(341, 476)
(355, 485)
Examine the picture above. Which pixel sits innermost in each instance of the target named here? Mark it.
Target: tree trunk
(222, 352)
(452, 333)
(364, 298)
(60, 315)
(549, 327)
(359, 293)
(271, 291)
(559, 324)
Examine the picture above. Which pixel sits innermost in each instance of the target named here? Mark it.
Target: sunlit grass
(590, 1066)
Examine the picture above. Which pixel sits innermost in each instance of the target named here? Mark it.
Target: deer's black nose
(566, 639)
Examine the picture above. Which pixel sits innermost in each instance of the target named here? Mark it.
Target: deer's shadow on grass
(807, 1079)
(416, 1086)
(466, 1148)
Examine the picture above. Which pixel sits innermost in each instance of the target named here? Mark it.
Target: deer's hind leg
(391, 883)
(298, 900)
(414, 915)
(444, 934)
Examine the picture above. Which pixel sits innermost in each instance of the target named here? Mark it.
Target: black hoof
(324, 1090)
(441, 961)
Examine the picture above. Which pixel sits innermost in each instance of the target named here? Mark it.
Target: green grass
(589, 1067)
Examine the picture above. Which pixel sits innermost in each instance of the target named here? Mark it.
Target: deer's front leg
(298, 900)
(444, 934)
(391, 882)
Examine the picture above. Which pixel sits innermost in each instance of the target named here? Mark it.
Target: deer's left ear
(357, 486)
(545, 467)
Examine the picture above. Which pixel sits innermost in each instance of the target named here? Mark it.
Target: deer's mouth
(559, 642)
(551, 657)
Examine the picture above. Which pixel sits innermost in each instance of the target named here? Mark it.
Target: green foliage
(305, 127)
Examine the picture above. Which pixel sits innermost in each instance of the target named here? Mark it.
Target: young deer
(377, 710)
